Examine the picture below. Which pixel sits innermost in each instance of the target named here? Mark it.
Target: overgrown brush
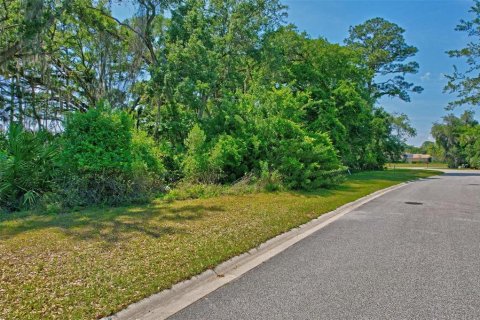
(98, 159)
(27, 167)
(105, 161)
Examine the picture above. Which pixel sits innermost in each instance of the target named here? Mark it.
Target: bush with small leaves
(105, 161)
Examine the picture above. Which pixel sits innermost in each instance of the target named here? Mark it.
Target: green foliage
(259, 129)
(210, 50)
(458, 137)
(304, 161)
(269, 180)
(105, 161)
(147, 156)
(384, 50)
(227, 156)
(358, 120)
(390, 133)
(196, 164)
(96, 141)
(209, 92)
(26, 167)
(266, 182)
(338, 81)
(3, 140)
(465, 83)
(470, 141)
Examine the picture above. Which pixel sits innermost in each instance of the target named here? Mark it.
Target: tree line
(95, 109)
(457, 138)
(457, 141)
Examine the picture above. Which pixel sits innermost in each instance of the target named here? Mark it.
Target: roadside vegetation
(459, 140)
(457, 144)
(457, 137)
(91, 263)
(96, 111)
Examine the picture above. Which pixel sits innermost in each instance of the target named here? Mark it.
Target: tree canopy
(458, 138)
(384, 50)
(200, 90)
(466, 83)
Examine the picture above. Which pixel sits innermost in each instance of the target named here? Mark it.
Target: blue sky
(429, 25)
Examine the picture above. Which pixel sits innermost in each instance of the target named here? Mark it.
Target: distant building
(417, 158)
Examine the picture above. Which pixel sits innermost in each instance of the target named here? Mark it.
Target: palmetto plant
(26, 167)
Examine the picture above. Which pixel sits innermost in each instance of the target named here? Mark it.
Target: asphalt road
(413, 253)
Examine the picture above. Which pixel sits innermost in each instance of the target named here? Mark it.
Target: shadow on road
(462, 174)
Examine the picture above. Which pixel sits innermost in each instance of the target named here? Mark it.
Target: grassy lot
(92, 263)
(418, 165)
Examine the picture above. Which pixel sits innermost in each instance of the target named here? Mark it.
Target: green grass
(418, 165)
(92, 263)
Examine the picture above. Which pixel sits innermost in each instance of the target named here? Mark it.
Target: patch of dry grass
(92, 263)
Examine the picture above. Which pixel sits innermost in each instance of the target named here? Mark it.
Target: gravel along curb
(168, 302)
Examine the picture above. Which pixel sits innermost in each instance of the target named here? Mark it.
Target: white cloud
(426, 76)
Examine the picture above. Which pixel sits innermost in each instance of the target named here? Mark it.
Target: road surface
(413, 253)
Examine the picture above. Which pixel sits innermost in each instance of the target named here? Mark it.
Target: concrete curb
(168, 302)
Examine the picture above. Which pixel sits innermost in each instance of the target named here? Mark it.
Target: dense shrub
(304, 161)
(261, 135)
(97, 141)
(147, 156)
(105, 161)
(196, 167)
(470, 142)
(227, 157)
(26, 167)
